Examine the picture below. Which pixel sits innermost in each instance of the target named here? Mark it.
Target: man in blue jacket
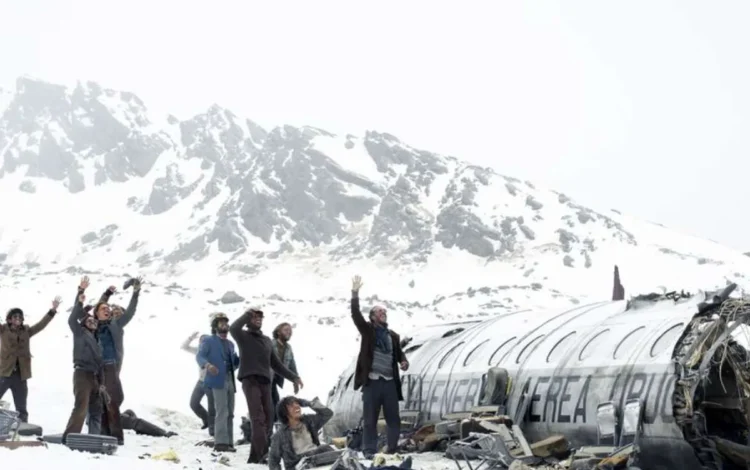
(217, 355)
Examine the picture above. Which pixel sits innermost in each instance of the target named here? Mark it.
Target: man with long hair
(15, 355)
(298, 435)
(281, 336)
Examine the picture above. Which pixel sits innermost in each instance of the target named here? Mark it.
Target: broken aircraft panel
(561, 365)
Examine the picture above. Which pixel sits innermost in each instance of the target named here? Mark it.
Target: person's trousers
(275, 401)
(206, 416)
(86, 393)
(376, 394)
(224, 405)
(258, 397)
(20, 390)
(110, 416)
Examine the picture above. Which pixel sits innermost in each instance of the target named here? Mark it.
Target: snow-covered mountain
(218, 213)
(218, 200)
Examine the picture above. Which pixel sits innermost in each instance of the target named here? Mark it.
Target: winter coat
(15, 349)
(116, 325)
(367, 349)
(257, 352)
(287, 360)
(87, 352)
(211, 351)
(281, 441)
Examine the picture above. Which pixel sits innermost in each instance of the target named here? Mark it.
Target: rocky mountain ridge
(233, 191)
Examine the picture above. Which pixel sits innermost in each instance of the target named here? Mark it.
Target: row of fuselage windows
(623, 347)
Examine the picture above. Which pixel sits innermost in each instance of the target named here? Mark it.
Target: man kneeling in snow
(298, 435)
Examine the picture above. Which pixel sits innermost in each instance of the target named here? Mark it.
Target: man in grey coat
(281, 336)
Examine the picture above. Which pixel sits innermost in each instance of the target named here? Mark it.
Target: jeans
(224, 420)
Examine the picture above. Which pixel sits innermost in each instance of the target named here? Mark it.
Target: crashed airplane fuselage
(562, 365)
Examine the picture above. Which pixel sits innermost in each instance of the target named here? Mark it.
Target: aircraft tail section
(618, 291)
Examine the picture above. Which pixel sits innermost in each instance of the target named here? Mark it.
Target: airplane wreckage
(666, 372)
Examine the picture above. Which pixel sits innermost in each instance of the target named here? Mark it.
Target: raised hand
(357, 283)
(84, 283)
(56, 302)
(194, 335)
(137, 283)
(112, 289)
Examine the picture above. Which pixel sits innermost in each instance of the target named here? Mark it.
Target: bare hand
(138, 283)
(84, 283)
(212, 369)
(357, 283)
(102, 389)
(404, 365)
(112, 289)
(298, 384)
(56, 302)
(194, 335)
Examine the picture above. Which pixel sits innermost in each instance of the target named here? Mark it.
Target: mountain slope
(218, 200)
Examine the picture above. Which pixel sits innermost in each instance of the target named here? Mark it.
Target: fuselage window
(592, 346)
(527, 349)
(474, 351)
(448, 354)
(665, 340)
(561, 347)
(497, 356)
(628, 342)
(411, 349)
(452, 332)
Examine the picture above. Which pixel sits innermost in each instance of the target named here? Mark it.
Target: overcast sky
(642, 106)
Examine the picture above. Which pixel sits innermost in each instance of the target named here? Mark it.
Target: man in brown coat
(377, 373)
(15, 355)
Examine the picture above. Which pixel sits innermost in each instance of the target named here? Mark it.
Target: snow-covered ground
(157, 375)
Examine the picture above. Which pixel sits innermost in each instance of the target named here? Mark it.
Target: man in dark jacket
(110, 333)
(298, 435)
(88, 378)
(377, 373)
(281, 336)
(257, 359)
(15, 355)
